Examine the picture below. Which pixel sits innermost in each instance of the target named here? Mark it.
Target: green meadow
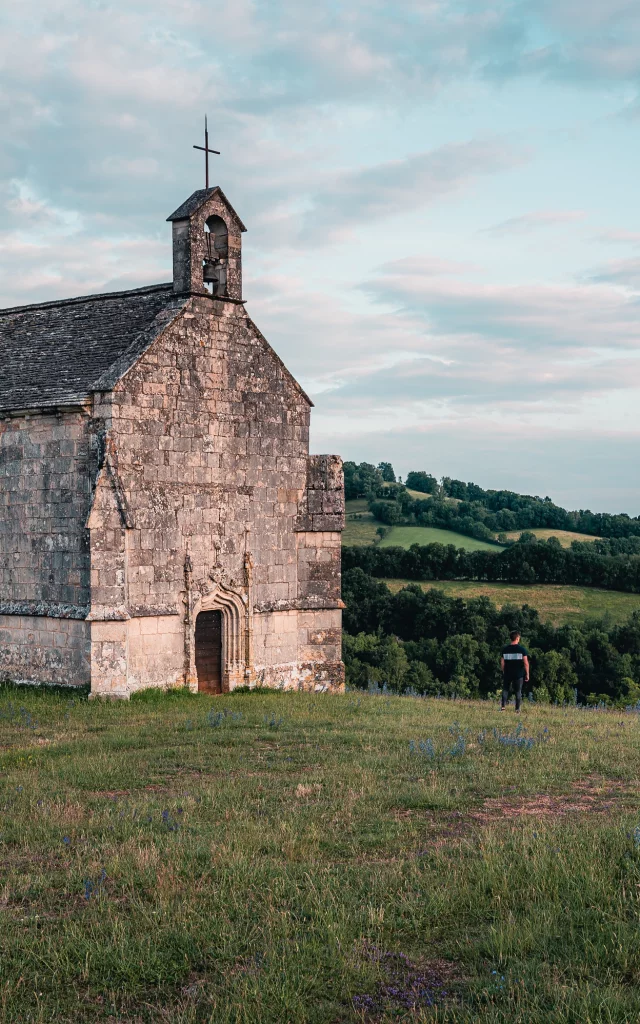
(558, 604)
(361, 529)
(405, 536)
(284, 858)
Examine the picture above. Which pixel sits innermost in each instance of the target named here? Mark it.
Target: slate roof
(196, 200)
(58, 353)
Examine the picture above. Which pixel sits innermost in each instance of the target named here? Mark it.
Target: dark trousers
(516, 686)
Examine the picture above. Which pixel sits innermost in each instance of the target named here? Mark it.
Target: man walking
(515, 669)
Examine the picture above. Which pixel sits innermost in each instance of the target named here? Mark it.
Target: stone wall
(207, 443)
(320, 649)
(129, 655)
(211, 441)
(299, 650)
(45, 493)
(44, 649)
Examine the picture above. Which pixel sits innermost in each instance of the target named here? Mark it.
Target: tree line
(528, 561)
(430, 643)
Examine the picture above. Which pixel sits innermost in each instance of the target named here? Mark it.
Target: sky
(441, 199)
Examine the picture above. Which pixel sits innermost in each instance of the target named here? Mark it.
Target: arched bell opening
(216, 252)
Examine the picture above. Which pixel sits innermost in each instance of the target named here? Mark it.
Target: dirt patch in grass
(591, 795)
(404, 985)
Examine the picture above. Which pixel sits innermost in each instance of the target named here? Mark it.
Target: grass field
(360, 531)
(566, 537)
(299, 859)
(405, 536)
(356, 505)
(363, 531)
(557, 604)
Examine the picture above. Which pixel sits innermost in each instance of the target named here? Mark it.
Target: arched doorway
(209, 651)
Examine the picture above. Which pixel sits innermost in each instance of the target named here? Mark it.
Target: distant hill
(469, 509)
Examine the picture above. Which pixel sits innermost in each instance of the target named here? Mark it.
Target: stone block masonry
(43, 649)
(45, 495)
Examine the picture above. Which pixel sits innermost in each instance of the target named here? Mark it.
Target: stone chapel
(162, 522)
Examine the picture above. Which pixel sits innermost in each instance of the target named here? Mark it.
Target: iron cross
(206, 151)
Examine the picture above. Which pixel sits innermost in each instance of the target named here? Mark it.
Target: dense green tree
(388, 512)
(421, 481)
(553, 672)
(538, 561)
(386, 471)
(454, 488)
(362, 481)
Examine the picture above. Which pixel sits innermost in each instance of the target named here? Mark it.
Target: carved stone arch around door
(233, 606)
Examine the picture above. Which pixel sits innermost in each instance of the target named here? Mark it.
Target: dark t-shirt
(513, 663)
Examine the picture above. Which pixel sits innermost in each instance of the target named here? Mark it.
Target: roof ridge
(146, 290)
(198, 199)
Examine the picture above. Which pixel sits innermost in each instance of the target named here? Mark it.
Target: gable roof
(198, 199)
(58, 353)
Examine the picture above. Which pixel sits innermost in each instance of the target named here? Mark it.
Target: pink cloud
(532, 221)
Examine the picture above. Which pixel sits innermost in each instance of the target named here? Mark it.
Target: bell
(210, 272)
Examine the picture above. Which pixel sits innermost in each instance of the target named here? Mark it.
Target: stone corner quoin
(163, 523)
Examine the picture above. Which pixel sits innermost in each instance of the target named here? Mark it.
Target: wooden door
(209, 651)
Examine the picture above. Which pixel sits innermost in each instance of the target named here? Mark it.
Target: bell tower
(207, 246)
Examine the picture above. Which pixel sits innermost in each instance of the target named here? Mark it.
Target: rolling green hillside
(556, 604)
(405, 536)
(362, 530)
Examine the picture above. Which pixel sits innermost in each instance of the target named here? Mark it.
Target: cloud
(541, 316)
(445, 348)
(387, 189)
(428, 266)
(625, 273)
(619, 236)
(533, 221)
(582, 41)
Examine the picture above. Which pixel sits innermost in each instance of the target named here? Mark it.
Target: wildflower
(458, 748)
(172, 826)
(214, 719)
(93, 888)
(273, 722)
(424, 747)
